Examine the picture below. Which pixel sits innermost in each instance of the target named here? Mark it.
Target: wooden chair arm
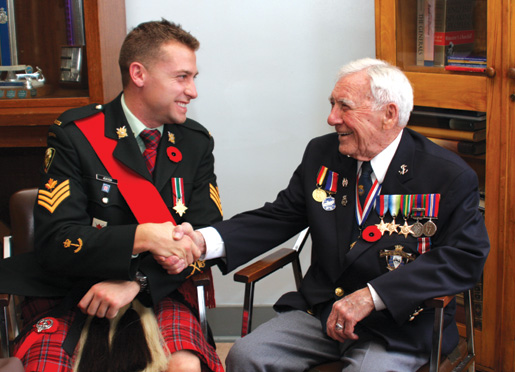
(266, 265)
(438, 302)
(201, 278)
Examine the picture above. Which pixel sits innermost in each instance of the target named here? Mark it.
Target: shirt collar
(381, 161)
(136, 125)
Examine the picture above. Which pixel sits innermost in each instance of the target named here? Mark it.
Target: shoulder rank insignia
(215, 197)
(52, 199)
(396, 258)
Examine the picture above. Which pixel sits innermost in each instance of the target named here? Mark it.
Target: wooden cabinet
(41, 31)
(494, 93)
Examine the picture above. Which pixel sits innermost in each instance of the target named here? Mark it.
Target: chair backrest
(21, 209)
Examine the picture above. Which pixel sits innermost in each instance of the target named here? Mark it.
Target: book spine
(429, 32)
(420, 32)
(460, 135)
(440, 28)
(465, 69)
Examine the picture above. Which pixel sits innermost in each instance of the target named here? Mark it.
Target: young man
(109, 197)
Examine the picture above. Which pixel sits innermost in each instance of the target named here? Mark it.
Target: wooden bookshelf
(41, 31)
(492, 92)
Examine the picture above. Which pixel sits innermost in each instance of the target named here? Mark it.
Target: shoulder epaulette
(73, 114)
(196, 126)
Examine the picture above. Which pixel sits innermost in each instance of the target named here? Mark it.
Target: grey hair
(388, 84)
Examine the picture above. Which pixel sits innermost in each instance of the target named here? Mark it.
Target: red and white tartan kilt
(179, 327)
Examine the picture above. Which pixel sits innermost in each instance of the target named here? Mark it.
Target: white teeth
(181, 104)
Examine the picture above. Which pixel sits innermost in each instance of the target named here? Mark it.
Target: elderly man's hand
(173, 264)
(347, 312)
(158, 239)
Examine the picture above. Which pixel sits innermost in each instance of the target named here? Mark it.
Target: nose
(335, 116)
(191, 90)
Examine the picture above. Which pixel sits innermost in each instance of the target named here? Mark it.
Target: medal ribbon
(178, 189)
(406, 203)
(418, 204)
(424, 245)
(321, 175)
(432, 205)
(363, 212)
(331, 182)
(394, 205)
(382, 205)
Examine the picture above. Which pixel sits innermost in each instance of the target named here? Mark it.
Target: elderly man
(394, 221)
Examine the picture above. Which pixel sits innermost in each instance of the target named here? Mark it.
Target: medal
(424, 245)
(432, 205)
(382, 208)
(329, 204)
(417, 212)
(318, 194)
(178, 196)
(405, 210)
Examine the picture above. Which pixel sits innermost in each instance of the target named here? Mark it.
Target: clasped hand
(185, 234)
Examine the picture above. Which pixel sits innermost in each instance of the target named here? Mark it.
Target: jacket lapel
(400, 172)
(126, 150)
(346, 199)
(164, 166)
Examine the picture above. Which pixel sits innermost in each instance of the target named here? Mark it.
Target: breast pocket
(106, 204)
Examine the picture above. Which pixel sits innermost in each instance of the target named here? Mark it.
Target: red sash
(131, 185)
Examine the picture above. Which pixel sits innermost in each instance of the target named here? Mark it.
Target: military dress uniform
(447, 262)
(84, 228)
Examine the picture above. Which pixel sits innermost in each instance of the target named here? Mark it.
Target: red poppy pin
(174, 154)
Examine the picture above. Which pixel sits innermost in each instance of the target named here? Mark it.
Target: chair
(21, 240)
(461, 358)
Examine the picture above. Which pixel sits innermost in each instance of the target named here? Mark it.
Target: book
(429, 32)
(449, 113)
(460, 124)
(461, 147)
(454, 29)
(446, 122)
(465, 68)
(420, 32)
(460, 135)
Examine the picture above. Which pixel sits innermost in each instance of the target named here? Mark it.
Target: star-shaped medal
(405, 229)
(392, 227)
(180, 208)
(382, 226)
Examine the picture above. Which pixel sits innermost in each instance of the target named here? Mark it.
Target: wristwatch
(142, 280)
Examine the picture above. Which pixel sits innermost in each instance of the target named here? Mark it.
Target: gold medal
(319, 195)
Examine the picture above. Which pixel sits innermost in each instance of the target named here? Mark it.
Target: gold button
(339, 292)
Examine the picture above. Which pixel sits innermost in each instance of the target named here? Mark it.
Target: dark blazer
(94, 199)
(454, 263)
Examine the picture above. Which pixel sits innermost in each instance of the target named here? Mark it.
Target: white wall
(266, 71)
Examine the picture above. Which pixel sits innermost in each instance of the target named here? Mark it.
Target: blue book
(5, 42)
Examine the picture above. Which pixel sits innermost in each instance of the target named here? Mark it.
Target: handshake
(173, 247)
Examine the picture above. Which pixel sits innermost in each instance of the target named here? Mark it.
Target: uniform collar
(136, 125)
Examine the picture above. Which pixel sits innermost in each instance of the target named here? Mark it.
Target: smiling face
(363, 131)
(165, 86)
